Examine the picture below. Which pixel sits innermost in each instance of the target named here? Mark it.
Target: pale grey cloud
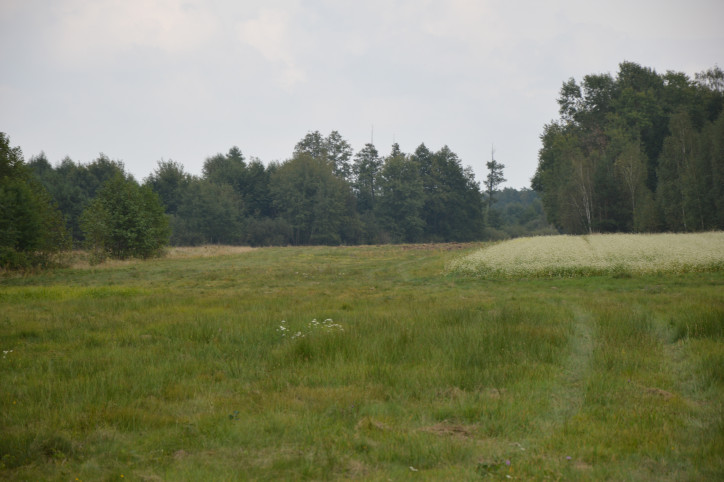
(184, 79)
(270, 34)
(91, 30)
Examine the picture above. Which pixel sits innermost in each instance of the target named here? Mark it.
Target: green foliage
(333, 149)
(208, 213)
(492, 181)
(366, 169)
(453, 204)
(316, 204)
(322, 199)
(230, 204)
(226, 169)
(170, 182)
(125, 220)
(520, 214)
(268, 232)
(73, 186)
(713, 149)
(32, 230)
(250, 181)
(257, 194)
(400, 202)
(630, 169)
(634, 153)
(313, 144)
(236, 201)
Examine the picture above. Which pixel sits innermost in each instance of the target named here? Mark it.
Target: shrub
(125, 220)
(32, 230)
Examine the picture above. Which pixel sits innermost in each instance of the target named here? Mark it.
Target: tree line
(641, 152)
(638, 152)
(324, 194)
(46, 211)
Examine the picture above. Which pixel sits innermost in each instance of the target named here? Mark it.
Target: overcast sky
(146, 80)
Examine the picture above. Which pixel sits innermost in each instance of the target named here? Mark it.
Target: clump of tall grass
(599, 254)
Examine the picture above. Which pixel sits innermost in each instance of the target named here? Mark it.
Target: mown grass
(176, 369)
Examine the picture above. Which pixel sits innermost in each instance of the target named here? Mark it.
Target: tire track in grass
(702, 408)
(569, 390)
(621, 392)
(561, 399)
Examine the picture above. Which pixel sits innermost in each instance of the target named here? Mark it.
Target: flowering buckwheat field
(599, 254)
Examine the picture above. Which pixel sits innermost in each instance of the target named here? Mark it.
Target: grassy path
(568, 393)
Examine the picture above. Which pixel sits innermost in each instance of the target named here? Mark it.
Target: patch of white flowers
(554, 256)
(326, 326)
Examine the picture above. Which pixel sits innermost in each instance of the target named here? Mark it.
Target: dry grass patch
(206, 251)
(450, 429)
(80, 259)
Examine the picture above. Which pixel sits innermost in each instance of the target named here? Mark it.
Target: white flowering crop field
(597, 254)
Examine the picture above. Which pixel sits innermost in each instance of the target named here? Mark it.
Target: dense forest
(324, 194)
(640, 152)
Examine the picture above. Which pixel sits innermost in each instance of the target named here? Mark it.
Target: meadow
(370, 363)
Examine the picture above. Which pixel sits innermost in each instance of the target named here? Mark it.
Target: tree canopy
(125, 220)
(637, 152)
(324, 194)
(32, 229)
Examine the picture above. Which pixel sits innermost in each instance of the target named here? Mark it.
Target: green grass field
(371, 363)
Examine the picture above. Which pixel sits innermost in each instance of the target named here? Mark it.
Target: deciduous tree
(619, 140)
(492, 181)
(366, 168)
(32, 231)
(313, 200)
(401, 199)
(170, 182)
(125, 220)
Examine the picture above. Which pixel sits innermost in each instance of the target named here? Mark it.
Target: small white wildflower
(329, 324)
